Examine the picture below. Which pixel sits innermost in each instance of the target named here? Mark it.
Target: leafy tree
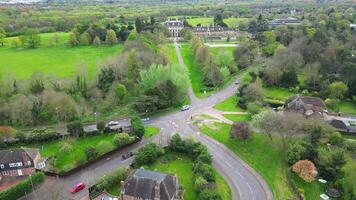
(289, 78)
(101, 126)
(212, 75)
(243, 56)
(122, 139)
(337, 90)
(330, 164)
(147, 154)
(85, 39)
(336, 138)
(2, 36)
(111, 38)
(121, 91)
(138, 129)
(97, 41)
(36, 84)
(91, 153)
(218, 19)
(240, 130)
(30, 39)
(225, 59)
(73, 40)
(16, 42)
(139, 24)
(106, 78)
(209, 194)
(254, 92)
(204, 170)
(306, 170)
(75, 128)
(295, 152)
(200, 183)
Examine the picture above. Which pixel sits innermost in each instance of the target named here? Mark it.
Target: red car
(77, 187)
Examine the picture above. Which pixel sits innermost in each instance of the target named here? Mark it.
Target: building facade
(279, 22)
(174, 27)
(214, 32)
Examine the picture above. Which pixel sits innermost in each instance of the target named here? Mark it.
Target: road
(244, 182)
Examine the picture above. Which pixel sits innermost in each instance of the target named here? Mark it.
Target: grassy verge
(182, 167)
(229, 104)
(238, 118)
(262, 154)
(151, 131)
(347, 107)
(171, 53)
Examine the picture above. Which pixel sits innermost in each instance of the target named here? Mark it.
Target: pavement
(245, 183)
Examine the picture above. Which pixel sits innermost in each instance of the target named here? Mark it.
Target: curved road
(244, 182)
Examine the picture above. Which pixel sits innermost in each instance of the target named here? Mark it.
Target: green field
(171, 53)
(229, 104)
(238, 118)
(278, 93)
(182, 167)
(60, 60)
(151, 131)
(262, 154)
(231, 22)
(347, 107)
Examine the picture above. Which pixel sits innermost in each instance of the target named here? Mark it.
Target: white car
(185, 107)
(324, 197)
(113, 123)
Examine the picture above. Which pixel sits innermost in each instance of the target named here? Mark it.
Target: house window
(2, 166)
(18, 164)
(29, 163)
(5, 173)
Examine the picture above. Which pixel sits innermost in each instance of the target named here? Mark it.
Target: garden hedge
(25, 187)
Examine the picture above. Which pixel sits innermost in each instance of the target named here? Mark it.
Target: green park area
(59, 60)
(181, 166)
(229, 104)
(151, 131)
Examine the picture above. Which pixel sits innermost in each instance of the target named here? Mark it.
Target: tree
(75, 128)
(91, 153)
(122, 139)
(97, 41)
(337, 90)
(243, 56)
(147, 154)
(139, 24)
(101, 126)
(16, 42)
(312, 76)
(295, 152)
(330, 164)
(121, 92)
(306, 170)
(218, 19)
(85, 39)
(111, 38)
(289, 78)
(209, 194)
(240, 130)
(30, 39)
(2, 36)
(138, 129)
(73, 40)
(254, 92)
(106, 78)
(200, 183)
(225, 59)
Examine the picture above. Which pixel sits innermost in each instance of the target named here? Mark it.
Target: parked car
(145, 119)
(127, 155)
(108, 198)
(77, 188)
(236, 82)
(185, 107)
(113, 123)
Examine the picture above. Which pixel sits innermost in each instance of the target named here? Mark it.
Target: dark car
(127, 155)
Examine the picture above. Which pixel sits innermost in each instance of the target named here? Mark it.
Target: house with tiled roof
(19, 162)
(151, 185)
(306, 105)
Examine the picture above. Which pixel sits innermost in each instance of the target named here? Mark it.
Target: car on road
(127, 155)
(236, 82)
(185, 107)
(113, 123)
(79, 186)
(145, 119)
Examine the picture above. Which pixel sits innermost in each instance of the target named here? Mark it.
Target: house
(214, 32)
(20, 162)
(305, 105)
(344, 124)
(151, 185)
(278, 22)
(174, 27)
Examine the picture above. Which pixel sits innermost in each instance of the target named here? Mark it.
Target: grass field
(238, 118)
(311, 190)
(278, 93)
(229, 104)
(231, 22)
(151, 131)
(347, 107)
(60, 60)
(262, 154)
(182, 167)
(171, 53)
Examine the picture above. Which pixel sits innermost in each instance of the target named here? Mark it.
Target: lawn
(347, 107)
(262, 154)
(311, 190)
(151, 131)
(278, 93)
(171, 53)
(216, 50)
(182, 167)
(60, 60)
(229, 104)
(238, 118)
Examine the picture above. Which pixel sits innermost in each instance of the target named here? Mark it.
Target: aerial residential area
(177, 99)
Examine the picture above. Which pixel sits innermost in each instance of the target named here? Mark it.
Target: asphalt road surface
(244, 182)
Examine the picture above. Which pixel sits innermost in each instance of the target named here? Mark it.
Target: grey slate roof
(211, 29)
(141, 184)
(288, 20)
(173, 23)
(16, 156)
(305, 103)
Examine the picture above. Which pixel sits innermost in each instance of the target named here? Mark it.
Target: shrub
(101, 126)
(294, 153)
(205, 171)
(122, 139)
(137, 127)
(350, 145)
(209, 194)
(75, 129)
(200, 183)
(148, 154)
(240, 130)
(177, 144)
(91, 153)
(205, 157)
(336, 138)
(306, 170)
(112, 179)
(331, 103)
(25, 187)
(104, 147)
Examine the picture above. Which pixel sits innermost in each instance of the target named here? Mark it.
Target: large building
(214, 32)
(19, 162)
(174, 27)
(278, 22)
(151, 185)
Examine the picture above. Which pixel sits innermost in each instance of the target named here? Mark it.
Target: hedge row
(25, 187)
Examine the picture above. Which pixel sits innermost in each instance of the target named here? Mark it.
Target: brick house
(151, 185)
(19, 162)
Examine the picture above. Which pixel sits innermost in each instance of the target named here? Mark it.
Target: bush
(101, 126)
(294, 153)
(122, 139)
(200, 183)
(208, 194)
(306, 170)
(112, 179)
(104, 147)
(91, 153)
(75, 129)
(204, 170)
(336, 138)
(137, 127)
(331, 103)
(147, 154)
(240, 130)
(350, 145)
(25, 187)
